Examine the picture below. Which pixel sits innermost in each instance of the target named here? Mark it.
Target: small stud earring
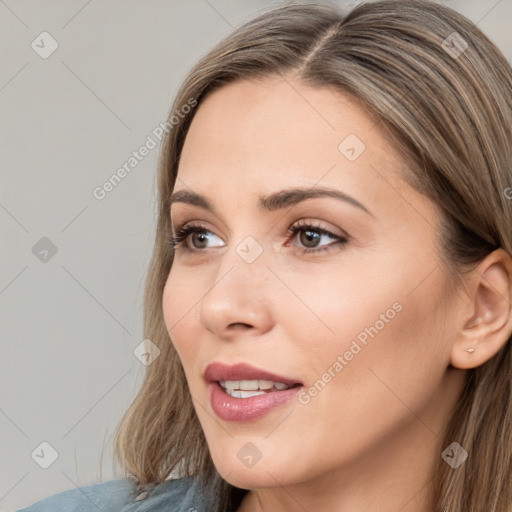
(470, 350)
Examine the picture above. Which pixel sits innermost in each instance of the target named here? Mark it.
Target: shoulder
(176, 495)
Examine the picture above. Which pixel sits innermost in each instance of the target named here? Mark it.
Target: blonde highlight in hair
(451, 118)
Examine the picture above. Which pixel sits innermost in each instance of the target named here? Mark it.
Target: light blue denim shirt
(177, 495)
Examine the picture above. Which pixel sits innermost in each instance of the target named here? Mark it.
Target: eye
(312, 235)
(183, 233)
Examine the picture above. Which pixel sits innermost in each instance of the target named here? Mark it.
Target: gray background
(71, 322)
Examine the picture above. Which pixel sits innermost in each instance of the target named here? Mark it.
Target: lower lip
(229, 408)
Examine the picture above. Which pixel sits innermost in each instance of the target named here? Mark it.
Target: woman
(330, 289)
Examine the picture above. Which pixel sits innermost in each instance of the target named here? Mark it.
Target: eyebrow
(271, 202)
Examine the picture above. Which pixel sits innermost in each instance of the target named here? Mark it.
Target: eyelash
(183, 233)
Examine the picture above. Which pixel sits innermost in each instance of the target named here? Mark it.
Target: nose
(239, 299)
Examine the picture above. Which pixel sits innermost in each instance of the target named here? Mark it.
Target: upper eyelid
(190, 224)
(181, 224)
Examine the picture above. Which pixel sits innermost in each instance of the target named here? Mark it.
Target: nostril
(237, 325)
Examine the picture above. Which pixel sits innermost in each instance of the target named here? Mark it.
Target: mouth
(250, 388)
(243, 392)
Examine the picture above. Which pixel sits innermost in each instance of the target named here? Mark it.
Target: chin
(247, 468)
(250, 478)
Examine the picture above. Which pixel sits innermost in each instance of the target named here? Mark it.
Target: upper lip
(243, 371)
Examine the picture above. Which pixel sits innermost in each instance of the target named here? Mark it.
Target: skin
(369, 439)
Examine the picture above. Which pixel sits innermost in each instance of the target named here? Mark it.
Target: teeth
(249, 385)
(235, 387)
(243, 394)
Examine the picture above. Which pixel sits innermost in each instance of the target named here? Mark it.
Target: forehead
(254, 137)
(278, 123)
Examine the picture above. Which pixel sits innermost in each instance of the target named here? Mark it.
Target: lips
(216, 372)
(242, 392)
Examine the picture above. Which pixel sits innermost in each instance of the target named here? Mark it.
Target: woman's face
(361, 324)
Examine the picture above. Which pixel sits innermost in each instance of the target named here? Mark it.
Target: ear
(488, 323)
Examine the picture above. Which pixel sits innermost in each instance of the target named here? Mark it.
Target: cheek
(379, 370)
(393, 357)
(180, 319)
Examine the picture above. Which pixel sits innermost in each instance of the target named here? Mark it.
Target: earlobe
(488, 327)
(469, 351)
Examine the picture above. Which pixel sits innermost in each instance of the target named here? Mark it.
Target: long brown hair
(443, 91)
